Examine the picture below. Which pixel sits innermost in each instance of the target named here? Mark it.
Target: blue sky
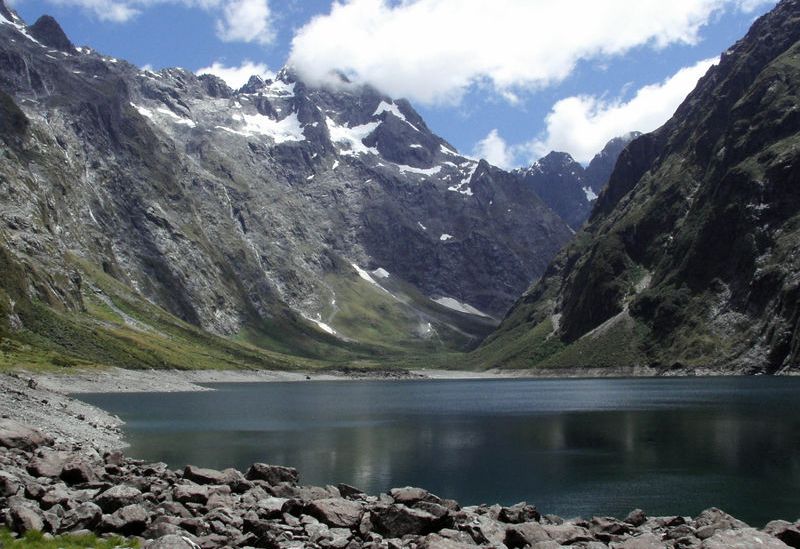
(503, 79)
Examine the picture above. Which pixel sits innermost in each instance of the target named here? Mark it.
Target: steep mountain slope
(691, 259)
(295, 218)
(569, 188)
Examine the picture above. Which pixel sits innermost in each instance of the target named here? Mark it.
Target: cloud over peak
(432, 51)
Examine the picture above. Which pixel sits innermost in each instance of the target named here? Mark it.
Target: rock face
(690, 260)
(569, 188)
(279, 211)
(166, 509)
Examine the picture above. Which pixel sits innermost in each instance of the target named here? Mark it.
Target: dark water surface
(571, 447)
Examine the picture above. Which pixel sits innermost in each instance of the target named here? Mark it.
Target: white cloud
(246, 21)
(237, 20)
(434, 50)
(494, 150)
(582, 125)
(236, 77)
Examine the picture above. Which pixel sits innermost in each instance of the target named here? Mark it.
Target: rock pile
(58, 490)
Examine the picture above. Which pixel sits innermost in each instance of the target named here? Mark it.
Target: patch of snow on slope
(421, 171)
(456, 305)
(281, 131)
(393, 109)
(459, 188)
(380, 272)
(591, 196)
(144, 112)
(177, 119)
(322, 326)
(447, 150)
(421, 226)
(364, 274)
(279, 88)
(354, 137)
(445, 237)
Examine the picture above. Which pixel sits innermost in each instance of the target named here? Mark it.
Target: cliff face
(690, 259)
(238, 210)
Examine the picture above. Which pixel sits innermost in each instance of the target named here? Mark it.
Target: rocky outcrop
(200, 507)
(690, 260)
(567, 187)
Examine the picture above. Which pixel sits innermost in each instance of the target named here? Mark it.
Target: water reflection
(576, 447)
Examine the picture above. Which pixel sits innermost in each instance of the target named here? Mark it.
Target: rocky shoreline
(58, 488)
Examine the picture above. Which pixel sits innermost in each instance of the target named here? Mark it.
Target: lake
(572, 447)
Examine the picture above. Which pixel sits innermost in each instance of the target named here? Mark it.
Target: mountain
(141, 207)
(569, 188)
(691, 258)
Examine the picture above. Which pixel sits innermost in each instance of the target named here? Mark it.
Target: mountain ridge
(689, 259)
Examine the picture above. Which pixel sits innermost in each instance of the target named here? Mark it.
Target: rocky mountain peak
(47, 31)
(7, 13)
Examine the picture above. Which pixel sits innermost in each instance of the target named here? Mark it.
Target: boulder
(171, 541)
(272, 474)
(787, 532)
(483, 529)
(190, 493)
(85, 516)
(645, 541)
(337, 512)
(637, 517)
(130, 520)
(23, 517)
(746, 538)
(396, 521)
(9, 484)
(55, 495)
(522, 535)
(521, 512)
(411, 495)
(77, 471)
(200, 475)
(117, 497)
(567, 534)
(16, 435)
(434, 541)
(46, 463)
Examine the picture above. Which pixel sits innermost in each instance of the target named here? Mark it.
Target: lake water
(571, 447)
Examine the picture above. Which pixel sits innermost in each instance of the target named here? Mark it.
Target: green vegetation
(37, 540)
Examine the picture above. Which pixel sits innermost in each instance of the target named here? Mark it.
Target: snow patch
(335, 165)
(447, 150)
(177, 119)
(421, 171)
(421, 226)
(445, 237)
(364, 274)
(460, 187)
(591, 196)
(144, 112)
(380, 272)
(459, 306)
(394, 110)
(353, 137)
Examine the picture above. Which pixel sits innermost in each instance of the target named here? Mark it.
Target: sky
(505, 80)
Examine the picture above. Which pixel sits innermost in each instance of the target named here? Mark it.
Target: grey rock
(637, 517)
(171, 541)
(337, 512)
(567, 534)
(85, 516)
(746, 538)
(190, 493)
(645, 541)
(118, 496)
(520, 512)
(23, 517)
(46, 463)
(785, 531)
(9, 484)
(201, 475)
(272, 474)
(434, 541)
(130, 520)
(410, 495)
(77, 471)
(399, 520)
(528, 533)
(16, 435)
